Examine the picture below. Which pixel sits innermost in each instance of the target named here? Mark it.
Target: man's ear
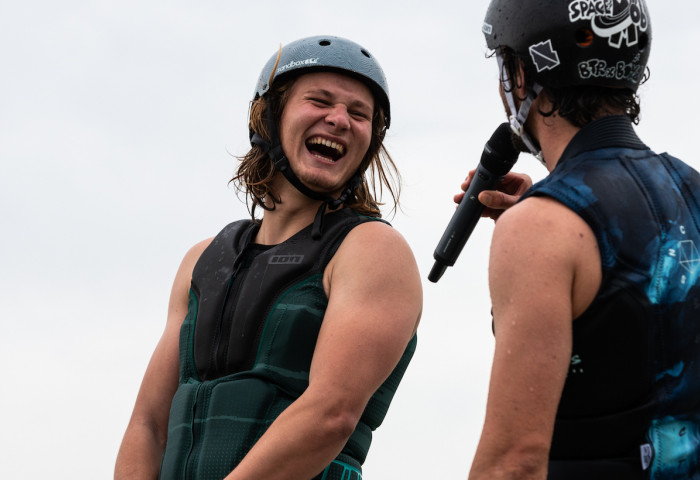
(519, 88)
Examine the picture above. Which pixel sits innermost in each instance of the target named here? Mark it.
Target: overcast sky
(119, 127)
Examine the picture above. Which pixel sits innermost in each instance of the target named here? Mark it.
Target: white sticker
(544, 56)
(599, 68)
(617, 20)
(689, 255)
(294, 64)
(646, 454)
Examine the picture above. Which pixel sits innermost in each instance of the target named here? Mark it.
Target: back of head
(564, 43)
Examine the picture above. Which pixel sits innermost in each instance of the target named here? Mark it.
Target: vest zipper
(219, 352)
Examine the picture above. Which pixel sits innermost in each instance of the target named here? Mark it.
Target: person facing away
(594, 272)
(287, 337)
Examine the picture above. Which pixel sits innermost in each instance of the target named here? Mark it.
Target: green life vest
(246, 346)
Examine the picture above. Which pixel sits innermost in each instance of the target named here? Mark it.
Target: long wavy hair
(256, 170)
(579, 104)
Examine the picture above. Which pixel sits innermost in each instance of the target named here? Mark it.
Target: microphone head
(499, 153)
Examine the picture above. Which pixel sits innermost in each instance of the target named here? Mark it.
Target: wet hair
(256, 170)
(579, 104)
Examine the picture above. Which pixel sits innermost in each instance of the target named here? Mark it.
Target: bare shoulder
(541, 225)
(183, 278)
(191, 257)
(195, 252)
(374, 245)
(535, 214)
(530, 241)
(376, 238)
(375, 262)
(540, 238)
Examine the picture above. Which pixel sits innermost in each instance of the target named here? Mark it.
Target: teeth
(322, 141)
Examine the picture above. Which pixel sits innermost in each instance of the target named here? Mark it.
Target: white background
(119, 127)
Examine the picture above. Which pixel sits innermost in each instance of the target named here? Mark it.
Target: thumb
(489, 199)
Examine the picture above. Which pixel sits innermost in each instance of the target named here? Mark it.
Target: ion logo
(285, 259)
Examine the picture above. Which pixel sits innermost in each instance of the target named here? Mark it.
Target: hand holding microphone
(497, 159)
(512, 187)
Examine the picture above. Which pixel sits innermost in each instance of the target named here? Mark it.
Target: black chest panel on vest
(237, 284)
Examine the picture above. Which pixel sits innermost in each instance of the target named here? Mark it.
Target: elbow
(524, 461)
(156, 433)
(340, 427)
(337, 424)
(531, 463)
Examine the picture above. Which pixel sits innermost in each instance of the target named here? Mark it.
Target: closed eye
(359, 115)
(320, 101)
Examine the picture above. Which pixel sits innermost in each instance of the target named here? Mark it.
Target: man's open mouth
(325, 148)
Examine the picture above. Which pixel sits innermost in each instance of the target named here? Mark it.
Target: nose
(338, 117)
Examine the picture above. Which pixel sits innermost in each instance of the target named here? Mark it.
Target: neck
(553, 134)
(294, 212)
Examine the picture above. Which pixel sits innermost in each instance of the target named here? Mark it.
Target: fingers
(465, 184)
(497, 200)
(513, 186)
(515, 183)
(468, 180)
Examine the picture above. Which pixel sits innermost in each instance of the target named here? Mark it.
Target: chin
(324, 186)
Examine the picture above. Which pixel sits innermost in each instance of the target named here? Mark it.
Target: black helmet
(327, 53)
(574, 42)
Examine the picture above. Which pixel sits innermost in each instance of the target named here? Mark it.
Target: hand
(509, 191)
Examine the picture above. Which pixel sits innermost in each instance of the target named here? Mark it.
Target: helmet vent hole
(324, 43)
(584, 37)
(366, 53)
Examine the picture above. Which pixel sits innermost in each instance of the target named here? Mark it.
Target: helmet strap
(518, 116)
(273, 149)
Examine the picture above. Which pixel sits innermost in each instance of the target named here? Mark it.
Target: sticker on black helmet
(599, 68)
(616, 20)
(544, 56)
(487, 28)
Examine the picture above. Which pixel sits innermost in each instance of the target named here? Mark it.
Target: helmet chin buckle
(515, 125)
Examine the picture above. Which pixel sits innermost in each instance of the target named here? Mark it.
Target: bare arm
(509, 191)
(544, 271)
(144, 440)
(374, 306)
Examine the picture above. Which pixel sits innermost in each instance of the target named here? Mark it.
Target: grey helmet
(327, 53)
(571, 42)
(318, 54)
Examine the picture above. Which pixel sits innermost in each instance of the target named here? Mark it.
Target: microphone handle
(462, 223)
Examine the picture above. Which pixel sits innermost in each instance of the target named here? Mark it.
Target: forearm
(299, 444)
(521, 463)
(139, 455)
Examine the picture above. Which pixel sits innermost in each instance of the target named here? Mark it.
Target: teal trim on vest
(186, 344)
(339, 470)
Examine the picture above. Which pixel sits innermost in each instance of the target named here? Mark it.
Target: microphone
(498, 158)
